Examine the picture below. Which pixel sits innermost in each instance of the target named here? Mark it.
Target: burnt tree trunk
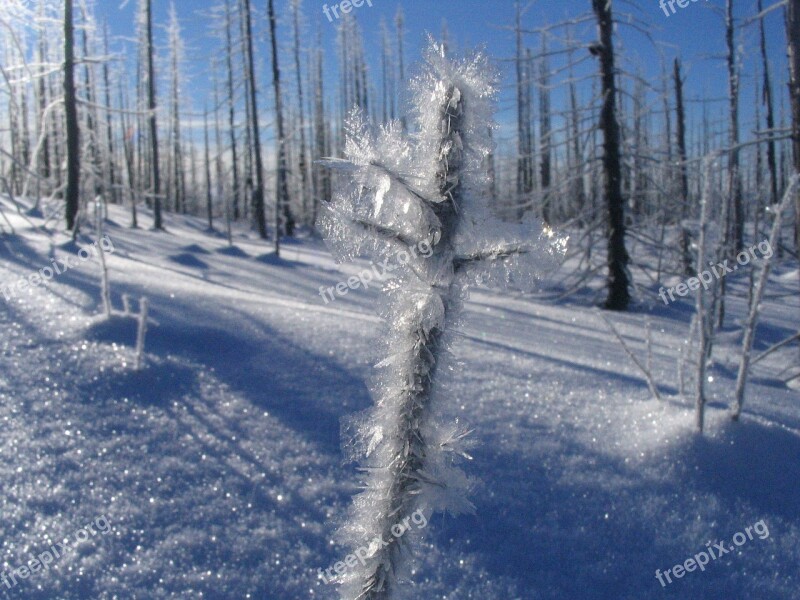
(72, 196)
(686, 257)
(618, 281)
(151, 106)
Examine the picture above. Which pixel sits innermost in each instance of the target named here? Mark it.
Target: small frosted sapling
(392, 192)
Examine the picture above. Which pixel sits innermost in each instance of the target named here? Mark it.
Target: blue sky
(694, 33)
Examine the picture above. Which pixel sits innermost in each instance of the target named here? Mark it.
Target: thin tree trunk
(258, 190)
(151, 106)
(113, 192)
(45, 166)
(544, 132)
(322, 140)
(129, 159)
(235, 193)
(768, 103)
(755, 305)
(400, 23)
(793, 36)
(302, 162)
(703, 314)
(524, 135)
(209, 202)
(282, 210)
(618, 282)
(71, 113)
(686, 256)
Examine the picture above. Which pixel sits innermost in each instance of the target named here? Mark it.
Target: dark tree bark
(767, 99)
(736, 236)
(686, 257)
(72, 196)
(151, 105)
(544, 132)
(618, 281)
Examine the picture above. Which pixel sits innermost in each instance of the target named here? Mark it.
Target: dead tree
(546, 166)
(399, 21)
(232, 109)
(680, 113)
(735, 231)
(302, 160)
(284, 222)
(618, 278)
(72, 196)
(524, 134)
(768, 104)
(257, 201)
(151, 106)
(792, 18)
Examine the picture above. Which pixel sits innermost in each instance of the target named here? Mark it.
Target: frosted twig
(647, 374)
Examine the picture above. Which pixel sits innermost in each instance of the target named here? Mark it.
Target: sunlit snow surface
(219, 465)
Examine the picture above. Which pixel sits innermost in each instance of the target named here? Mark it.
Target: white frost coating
(393, 192)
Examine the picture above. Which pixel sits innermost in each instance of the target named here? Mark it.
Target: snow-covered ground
(219, 467)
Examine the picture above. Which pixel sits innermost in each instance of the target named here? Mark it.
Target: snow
(219, 466)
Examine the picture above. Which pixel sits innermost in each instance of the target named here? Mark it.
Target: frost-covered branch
(408, 450)
(646, 370)
(755, 306)
(501, 253)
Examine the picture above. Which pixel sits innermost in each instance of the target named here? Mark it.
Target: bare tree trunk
(91, 132)
(302, 162)
(218, 160)
(755, 305)
(178, 163)
(793, 36)
(72, 196)
(704, 316)
(44, 164)
(209, 204)
(524, 135)
(686, 256)
(258, 190)
(733, 215)
(127, 149)
(284, 222)
(322, 142)
(544, 132)
(577, 166)
(151, 106)
(113, 191)
(400, 23)
(231, 109)
(768, 103)
(385, 61)
(618, 282)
